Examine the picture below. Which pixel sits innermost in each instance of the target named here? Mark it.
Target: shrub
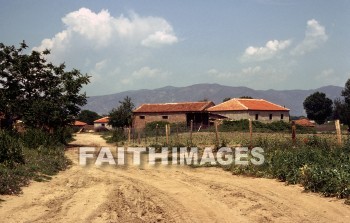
(10, 149)
(318, 165)
(117, 135)
(32, 155)
(276, 126)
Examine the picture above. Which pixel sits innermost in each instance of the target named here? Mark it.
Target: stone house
(102, 123)
(182, 112)
(254, 109)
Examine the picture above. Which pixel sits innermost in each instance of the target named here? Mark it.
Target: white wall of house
(262, 116)
(99, 125)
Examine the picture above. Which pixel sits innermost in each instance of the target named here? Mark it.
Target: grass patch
(28, 159)
(317, 164)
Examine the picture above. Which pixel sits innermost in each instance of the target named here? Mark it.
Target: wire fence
(214, 135)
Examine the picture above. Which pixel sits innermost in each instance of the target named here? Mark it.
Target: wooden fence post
(138, 137)
(156, 133)
(129, 132)
(216, 133)
(338, 130)
(294, 134)
(167, 134)
(177, 133)
(191, 131)
(250, 133)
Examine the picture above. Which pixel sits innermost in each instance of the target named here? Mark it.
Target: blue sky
(129, 45)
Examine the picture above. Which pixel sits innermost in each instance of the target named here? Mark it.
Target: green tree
(246, 97)
(342, 106)
(88, 116)
(122, 115)
(318, 107)
(34, 90)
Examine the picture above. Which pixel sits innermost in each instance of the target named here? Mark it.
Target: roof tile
(174, 107)
(239, 104)
(102, 120)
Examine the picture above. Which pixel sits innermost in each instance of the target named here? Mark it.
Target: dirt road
(164, 194)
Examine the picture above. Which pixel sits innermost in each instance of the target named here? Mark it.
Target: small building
(304, 122)
(102, 124)
(182, 112)
(78, 126)
(79, 123)
(254, 109)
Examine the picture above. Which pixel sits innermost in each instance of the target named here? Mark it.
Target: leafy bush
(152, 126)
(276, 126)
(33, 155)
(34, 138)
(117, 135)
(317, 164)
(10, 149)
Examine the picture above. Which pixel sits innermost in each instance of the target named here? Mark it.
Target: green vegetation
(122, 115)
(318, 164)
(342, 106)
(277, 126)
(38, 93)
(318, 107)
(88, 116)
(45, 99)
(33, 155)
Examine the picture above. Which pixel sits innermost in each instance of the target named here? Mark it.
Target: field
(164, 194)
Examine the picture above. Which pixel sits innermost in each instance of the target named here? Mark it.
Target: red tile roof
(304, 122)
(79, 123)
(102, 120)
(174, 107)
(240, 104)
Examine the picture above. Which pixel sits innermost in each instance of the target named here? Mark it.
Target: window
(103, 124)
(256, 116)
(164, 117)
(281, 116)
(270, 116)
(142, 117)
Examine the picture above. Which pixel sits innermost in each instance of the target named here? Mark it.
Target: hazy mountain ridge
(292, 99)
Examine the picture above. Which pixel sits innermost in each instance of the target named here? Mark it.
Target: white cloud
(315, 36)
(251, 70)
(329, 76)
(220, 74)
(100, 30)
(257, 77)
(270, 49)
(109, 47)
(145, 74)
(159, 38)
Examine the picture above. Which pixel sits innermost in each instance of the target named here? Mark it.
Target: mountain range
(292, 99)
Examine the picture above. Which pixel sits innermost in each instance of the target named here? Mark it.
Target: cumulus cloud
(315, 36)
(266, 52)
(107, 46)
(102, 30)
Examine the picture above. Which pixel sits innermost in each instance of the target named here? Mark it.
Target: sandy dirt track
(164, 194)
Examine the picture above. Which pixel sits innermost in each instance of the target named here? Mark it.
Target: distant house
(79, 126)
(182, 112)
(304, 122)
(102, 123)
(254, 109)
